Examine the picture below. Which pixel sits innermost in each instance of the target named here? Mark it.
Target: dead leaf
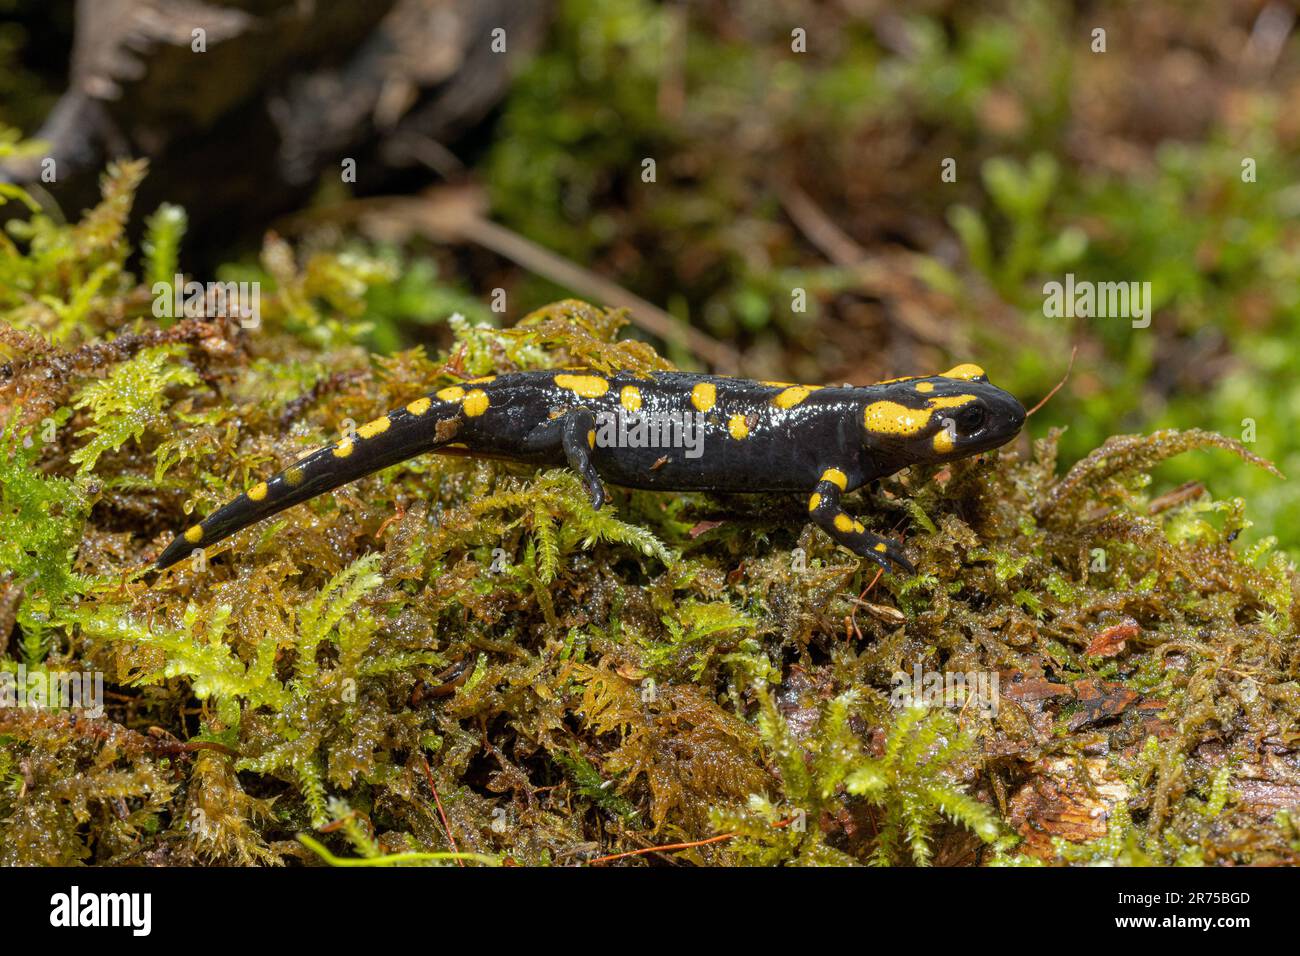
(1112, 640)
(1055, 802)
(1017, 685)
(1100, 700)
(703, 527)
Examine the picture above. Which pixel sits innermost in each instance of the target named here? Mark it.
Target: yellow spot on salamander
(738, 425)
(859, 527)
(814, 502)
(376, 427)
(791, 397)
(925, 386)
(452, 394)
(836, 477)
(257, 492)
(194, 534)
(630, 398)
(591, 438)
(778, 384)
(342, 449)
(482, 380)
(419, 406)
(943, 441)
(843, 523)
(476, 403)
(588, 386)
(704, 396)
(293, 476)
(965, 371)
(950, 401)
(881, 548)
(891, 418)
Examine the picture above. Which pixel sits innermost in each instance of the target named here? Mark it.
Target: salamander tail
(421, 426)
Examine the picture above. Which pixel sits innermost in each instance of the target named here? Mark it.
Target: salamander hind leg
(824, 509)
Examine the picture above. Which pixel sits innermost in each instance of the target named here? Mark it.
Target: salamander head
(940, 417)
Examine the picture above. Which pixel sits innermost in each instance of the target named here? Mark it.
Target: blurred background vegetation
(779, 170)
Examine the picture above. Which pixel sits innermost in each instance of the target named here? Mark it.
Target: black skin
(752, 437)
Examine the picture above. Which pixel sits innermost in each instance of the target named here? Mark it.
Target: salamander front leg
(824, 508)
(575, 433)
(578, 431)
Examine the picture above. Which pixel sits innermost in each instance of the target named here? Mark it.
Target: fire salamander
(667, 431)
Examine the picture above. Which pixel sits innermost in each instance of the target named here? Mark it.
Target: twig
(681, 846)
(442, 813)
(1059, 384)
(1268, 38)
(830, 239)
(667, 846)
(459, 214)
(843, 251)
(397, 515)
(879, 573)
(561, 271)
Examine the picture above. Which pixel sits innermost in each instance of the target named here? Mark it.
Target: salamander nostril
(1016, 413)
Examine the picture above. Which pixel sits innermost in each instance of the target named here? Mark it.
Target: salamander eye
(971, 418)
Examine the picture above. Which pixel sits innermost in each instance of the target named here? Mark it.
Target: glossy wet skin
(669, 431)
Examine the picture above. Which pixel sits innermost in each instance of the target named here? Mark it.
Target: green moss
(461, 656)
(907, 788)
(128, 402)
(42, 517)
